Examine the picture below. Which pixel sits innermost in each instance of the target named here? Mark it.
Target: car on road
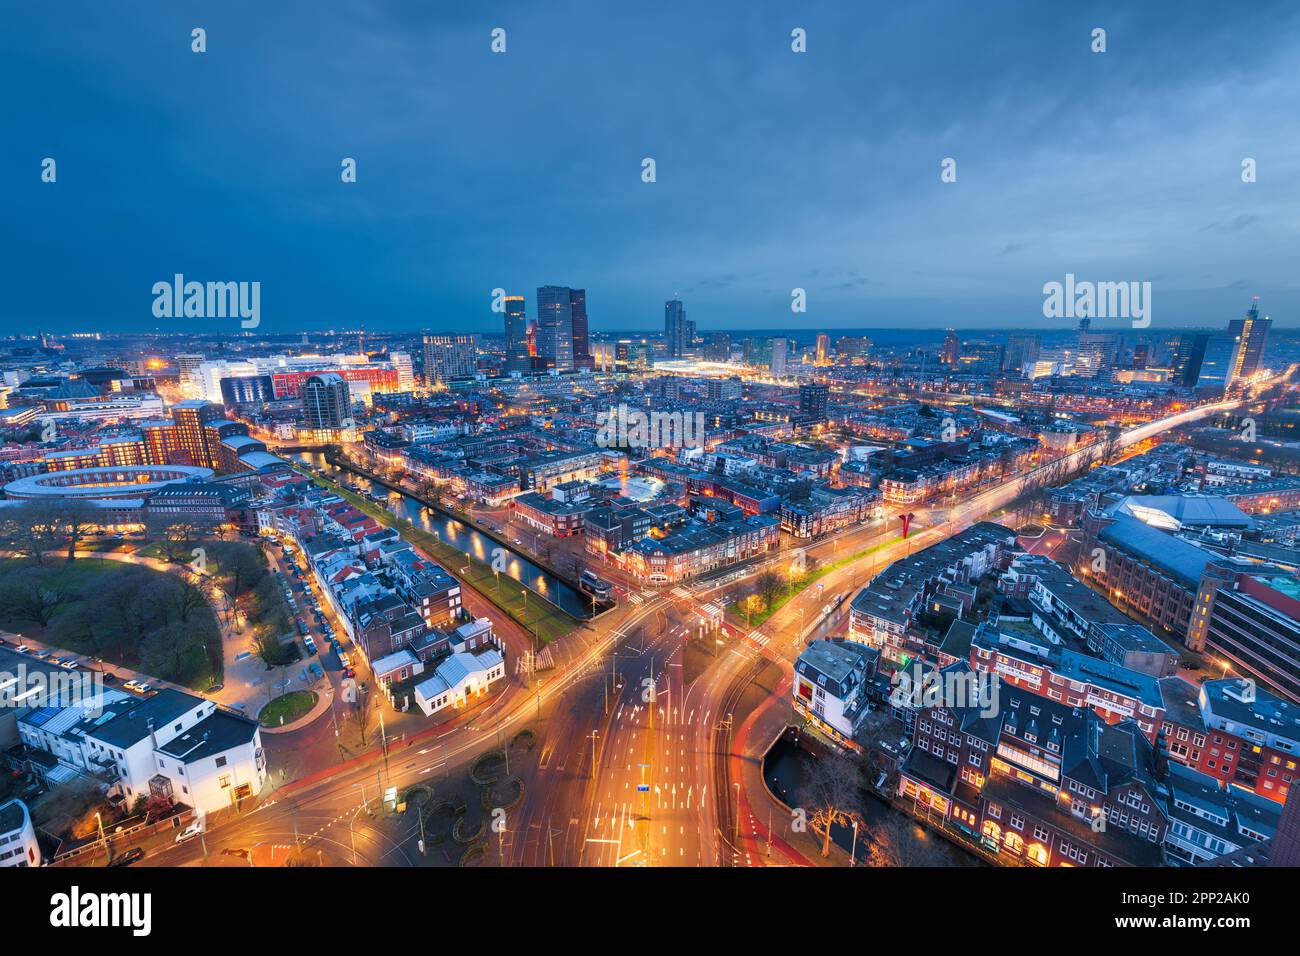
(190, 832)
(127, 858)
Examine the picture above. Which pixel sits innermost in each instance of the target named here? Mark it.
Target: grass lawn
(74, 577)
(796, 585)
(535, 614)
(290, 707)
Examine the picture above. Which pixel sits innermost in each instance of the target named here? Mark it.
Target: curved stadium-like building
(92, 484)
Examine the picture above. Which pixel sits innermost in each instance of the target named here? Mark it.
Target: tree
(898, 840)
(236, 566)
(267, 646)
(175, 538)
(29, 529)
(362, 708)
(833, 791)
(179, 599)
(768, 586)
(175, 651)
(29, 596)
(76, 522)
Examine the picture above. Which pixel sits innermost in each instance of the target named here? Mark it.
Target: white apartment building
(170, 743)
(18, 846)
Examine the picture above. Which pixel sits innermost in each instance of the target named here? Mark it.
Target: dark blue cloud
(775, 170)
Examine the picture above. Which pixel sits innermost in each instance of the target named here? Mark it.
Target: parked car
(137, 686)
(127, 858)
(66, 662)
(23, 648)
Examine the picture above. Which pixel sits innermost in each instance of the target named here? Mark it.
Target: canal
(785, 769)
(466, 539)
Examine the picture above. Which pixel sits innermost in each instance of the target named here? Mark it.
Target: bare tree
(29, 596)
(76, 522)
(898, 840)
(833, 791)
(29, 529)
(768, 586)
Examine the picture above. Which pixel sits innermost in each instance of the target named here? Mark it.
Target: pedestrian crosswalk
(635, 598)
(758, 638)
(681, 593)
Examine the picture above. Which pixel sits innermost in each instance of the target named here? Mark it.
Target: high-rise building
(1249, 335)
(1021, 350)
(675, 327)
(1188, 355)
(852, 346)
(581, 336)
(823, 349)
(325, 401)
(517, 357)
(951, 347)
(448, 357)
(555, 327)
(247, 390)
(778, 357)
(1216, 362)
(187, 367)
(812, 400)
(717, 347)
(980, 356)
(757, 351)
(401, 362)
(1096, 353)
(690, 334)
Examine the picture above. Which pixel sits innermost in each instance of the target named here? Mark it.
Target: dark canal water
(467, 539)
(785, 769)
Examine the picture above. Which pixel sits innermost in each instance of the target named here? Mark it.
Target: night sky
(774, 169)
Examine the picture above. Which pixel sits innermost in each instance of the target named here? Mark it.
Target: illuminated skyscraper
(778, 357)
(1249, 335)
(517, 357)
(325, 401)
(448, 357)
(951, 346)
(581, 337)
(555, 327)
(823, 349)
(675, 327)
